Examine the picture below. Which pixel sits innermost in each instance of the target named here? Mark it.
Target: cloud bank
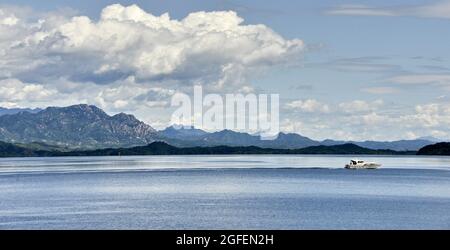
(213, 48)
(129, 60)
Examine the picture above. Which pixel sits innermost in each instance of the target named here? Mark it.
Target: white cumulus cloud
(14, 91)
(210, 48)
(308, 105)
(8, 19)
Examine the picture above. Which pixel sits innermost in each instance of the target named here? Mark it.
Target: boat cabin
(356, 162)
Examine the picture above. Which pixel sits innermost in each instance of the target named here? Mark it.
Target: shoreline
(162, 148)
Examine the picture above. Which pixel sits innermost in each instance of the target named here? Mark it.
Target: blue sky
(368, 69)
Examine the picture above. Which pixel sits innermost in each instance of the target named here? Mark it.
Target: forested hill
(162, 148)
(442, 148)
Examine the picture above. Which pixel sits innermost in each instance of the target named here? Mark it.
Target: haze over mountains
(193, 137)
(186, 137)
(11, 111)
(86, 127)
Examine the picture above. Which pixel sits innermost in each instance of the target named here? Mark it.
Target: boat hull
(365, 166)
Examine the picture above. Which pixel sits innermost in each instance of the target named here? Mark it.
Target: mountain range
(188, 136)
(88, 127)
(78, 126)
(194, 137)
(7, 111)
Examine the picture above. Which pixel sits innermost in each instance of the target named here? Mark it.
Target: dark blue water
(221, 193)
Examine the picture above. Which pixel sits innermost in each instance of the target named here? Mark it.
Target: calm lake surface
(224, 192)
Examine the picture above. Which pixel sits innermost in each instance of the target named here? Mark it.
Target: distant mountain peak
(430, 138)
(182, 127)
(12, 111)
(79, 107)
(182, 132)
(81, 125)
(125, 117)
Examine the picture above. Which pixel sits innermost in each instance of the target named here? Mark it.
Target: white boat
(359, 164)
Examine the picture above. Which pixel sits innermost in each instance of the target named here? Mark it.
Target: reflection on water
(223, 192)
(140, 163)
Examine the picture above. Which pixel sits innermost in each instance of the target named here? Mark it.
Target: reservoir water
(224, 192)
